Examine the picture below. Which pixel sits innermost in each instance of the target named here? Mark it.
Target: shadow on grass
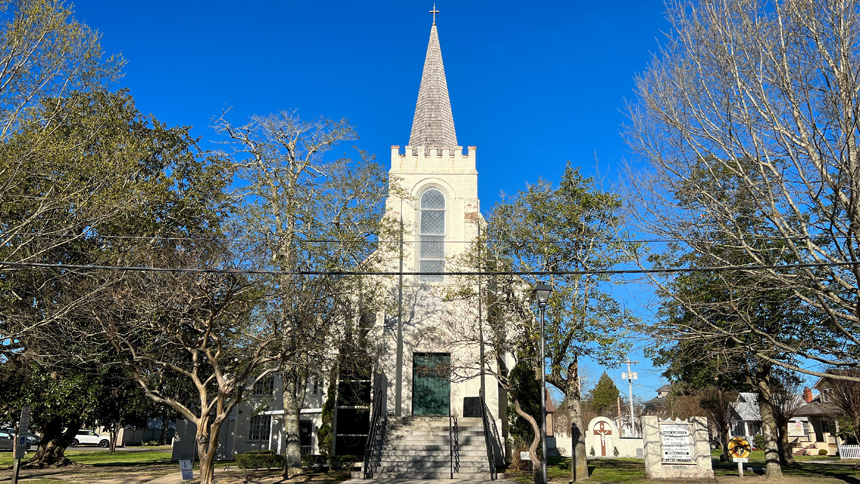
(600, 470)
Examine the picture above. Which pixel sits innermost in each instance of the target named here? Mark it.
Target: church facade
(429, 349)
(437, 204)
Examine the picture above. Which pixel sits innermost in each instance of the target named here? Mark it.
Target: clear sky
(532, 85)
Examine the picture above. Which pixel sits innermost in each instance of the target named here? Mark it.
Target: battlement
(431, 159)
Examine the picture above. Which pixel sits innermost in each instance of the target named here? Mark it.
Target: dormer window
(431, 233)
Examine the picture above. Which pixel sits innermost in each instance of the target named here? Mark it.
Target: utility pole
(630, 376)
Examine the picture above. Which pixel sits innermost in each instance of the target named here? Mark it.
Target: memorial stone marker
(677, 449)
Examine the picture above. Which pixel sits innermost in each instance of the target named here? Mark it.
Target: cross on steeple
(434, 12)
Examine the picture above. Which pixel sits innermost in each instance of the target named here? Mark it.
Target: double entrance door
(431, 383)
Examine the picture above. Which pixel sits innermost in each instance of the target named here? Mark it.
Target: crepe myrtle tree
(202, 329)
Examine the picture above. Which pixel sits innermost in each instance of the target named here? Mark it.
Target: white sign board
(21, 446)
(525, 456)
(186, 468)
(23, 429)
(676, 443)
(25, 418)
(740, 459)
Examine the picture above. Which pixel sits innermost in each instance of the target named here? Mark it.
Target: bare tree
(307, 211)
(760, 99)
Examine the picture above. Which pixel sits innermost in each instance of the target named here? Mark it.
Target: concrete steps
(419, 447)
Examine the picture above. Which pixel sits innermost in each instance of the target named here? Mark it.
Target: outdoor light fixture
(542, 292)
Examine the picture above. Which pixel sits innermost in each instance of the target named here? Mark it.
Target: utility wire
(365, 239)
(778, 267)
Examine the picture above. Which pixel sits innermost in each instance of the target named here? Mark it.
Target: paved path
(426, 481)
(176, 479)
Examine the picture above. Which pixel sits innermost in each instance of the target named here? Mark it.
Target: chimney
(807, 394)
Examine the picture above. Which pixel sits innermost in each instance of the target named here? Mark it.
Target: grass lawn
(102, 458)
(633, 470)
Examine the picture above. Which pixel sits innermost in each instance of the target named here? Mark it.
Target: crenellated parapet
(431, 159)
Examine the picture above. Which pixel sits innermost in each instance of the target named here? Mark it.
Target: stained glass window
(431, 251)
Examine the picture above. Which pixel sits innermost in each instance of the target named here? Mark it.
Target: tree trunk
(207, 447)
(785, 457)
(768, 427)
(725, 437)
(294, 387)
(579, 462)
(52, 449)
(207, 459)
(537, 463)
(163, 438)
(114, 433)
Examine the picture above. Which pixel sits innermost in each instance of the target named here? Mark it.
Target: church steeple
(433, 124)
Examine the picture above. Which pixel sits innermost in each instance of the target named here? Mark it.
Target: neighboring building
(821, 428)
(257, 424)
(746, 416)
(657, 405)
(811, 429)
(422, 344)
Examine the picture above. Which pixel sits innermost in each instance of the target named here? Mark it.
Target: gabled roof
(747, 410)
(817, 408)
(433, 124)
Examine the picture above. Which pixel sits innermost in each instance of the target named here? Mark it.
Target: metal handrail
(451, 442)
(374, 423)
(488, 421)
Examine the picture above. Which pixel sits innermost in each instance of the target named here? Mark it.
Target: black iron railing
(454, 444)
(377, 420)
(491, 436)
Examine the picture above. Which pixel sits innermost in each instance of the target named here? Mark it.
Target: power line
(368, 239)
(779, 267)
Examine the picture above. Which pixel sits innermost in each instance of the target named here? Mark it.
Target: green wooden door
(431, 383)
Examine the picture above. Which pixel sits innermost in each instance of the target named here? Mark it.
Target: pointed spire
(433, 124)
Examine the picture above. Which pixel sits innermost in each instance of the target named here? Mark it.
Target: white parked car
(88, 437)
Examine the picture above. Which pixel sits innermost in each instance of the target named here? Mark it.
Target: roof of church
(433, 124)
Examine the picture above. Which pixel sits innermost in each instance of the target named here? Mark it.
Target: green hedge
(264, 459)
(343, 462)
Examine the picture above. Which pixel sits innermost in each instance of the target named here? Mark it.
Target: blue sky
(531, 85)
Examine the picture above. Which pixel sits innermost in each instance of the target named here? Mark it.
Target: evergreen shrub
(263, 459)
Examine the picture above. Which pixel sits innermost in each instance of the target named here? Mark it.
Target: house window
(260, 427)
(431, 235)
(265, 386)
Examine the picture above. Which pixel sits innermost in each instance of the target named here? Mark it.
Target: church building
(429, 410)
(430, 366)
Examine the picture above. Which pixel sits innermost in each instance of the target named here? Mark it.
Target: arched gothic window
(431, 232)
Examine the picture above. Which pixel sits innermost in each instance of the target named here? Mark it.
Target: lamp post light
(542, 292)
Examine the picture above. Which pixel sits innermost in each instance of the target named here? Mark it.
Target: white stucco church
(413, 386)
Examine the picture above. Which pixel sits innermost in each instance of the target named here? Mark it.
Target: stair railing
(376, 420)
(451, 442)
(491, 436)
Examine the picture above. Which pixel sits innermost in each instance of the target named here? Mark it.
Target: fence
(849, 451)
(138, 436)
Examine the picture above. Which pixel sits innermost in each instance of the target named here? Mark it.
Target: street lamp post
(542, 292)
